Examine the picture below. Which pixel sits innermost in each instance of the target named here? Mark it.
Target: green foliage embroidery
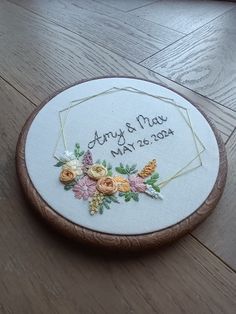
(152, 181)
(59, 163)
(107, 201)
(126, 169)
(69, 186)
(129, 196)
(77, 151)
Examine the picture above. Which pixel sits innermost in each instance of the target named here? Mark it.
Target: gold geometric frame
(196, 140)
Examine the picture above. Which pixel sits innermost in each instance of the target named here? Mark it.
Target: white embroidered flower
(67, 156)
(74, 165)
(153, 193)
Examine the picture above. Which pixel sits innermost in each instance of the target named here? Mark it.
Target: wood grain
(184, 16)
(125, 5)
(163, 35)
(204, 61)
(218, 233)
(103, 30)
(111, 241)
(38, 58)
(43, 273)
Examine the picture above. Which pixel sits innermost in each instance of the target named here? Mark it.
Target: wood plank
(38, 58)
(125, 5)
(218, 232)
(184, 16)
(106, 31)
(163, 35)
(43, 273)
(204, 61)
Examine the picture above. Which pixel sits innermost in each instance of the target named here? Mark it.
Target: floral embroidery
(84, 188)
(122, 184)
(137, 184)
(97, 171)
(67, 176)
(95, 181)
(148, 169)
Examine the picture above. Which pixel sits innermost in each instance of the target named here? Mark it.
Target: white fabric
(182, 196)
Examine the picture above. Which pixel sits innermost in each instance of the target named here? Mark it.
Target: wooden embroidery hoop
(112, 241)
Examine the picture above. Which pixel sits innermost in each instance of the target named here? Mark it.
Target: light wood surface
(42, 272)
(119, 37)
(204, 61)
(183, 15)
(218, 232)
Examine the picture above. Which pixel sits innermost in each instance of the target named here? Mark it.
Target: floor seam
(75, 33)
(185, 35)
(231, 134)
(6, 81)
(217, 256)
(206, 97)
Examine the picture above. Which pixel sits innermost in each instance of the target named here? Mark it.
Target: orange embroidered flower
(107, 185)
(97, 171)
(148, 169)
(122, 184)
(67, 176)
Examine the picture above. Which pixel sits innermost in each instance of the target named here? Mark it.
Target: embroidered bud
(148, 169)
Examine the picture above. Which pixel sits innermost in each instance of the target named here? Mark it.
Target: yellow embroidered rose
(122, 184)
(107, 185)
(97, 171)
(67, 176)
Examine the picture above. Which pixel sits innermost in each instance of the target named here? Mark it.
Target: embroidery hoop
(130, 242)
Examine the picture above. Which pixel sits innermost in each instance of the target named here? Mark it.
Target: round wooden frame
(113, 241)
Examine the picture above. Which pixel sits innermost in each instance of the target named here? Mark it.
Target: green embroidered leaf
(156, 188)
(109, 166)
(114, 199)
(81, 153)
(104, 163)
(109, 173)
(106, 205)
(128, 197)
(77, 145)
(98, 161)
(59, 164)
(135, 197)
(68, 187)
(132, 168)
(133, 172)
(155, 176)
(121, 194)
(101, 209)
(121, 170)
(107, 200)
(121, 165)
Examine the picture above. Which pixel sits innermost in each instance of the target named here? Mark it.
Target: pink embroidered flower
(85, 188)
(137, 184)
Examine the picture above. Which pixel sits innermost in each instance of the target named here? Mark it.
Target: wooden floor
(47, 44)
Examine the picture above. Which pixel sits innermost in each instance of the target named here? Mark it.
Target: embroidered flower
(153, 193)
(97, 171)
(67, 176)
(73, 165)
(107, 185)
(137, 184)
(67, 156)
(84, 188)
(87, 161)
(122, 184)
